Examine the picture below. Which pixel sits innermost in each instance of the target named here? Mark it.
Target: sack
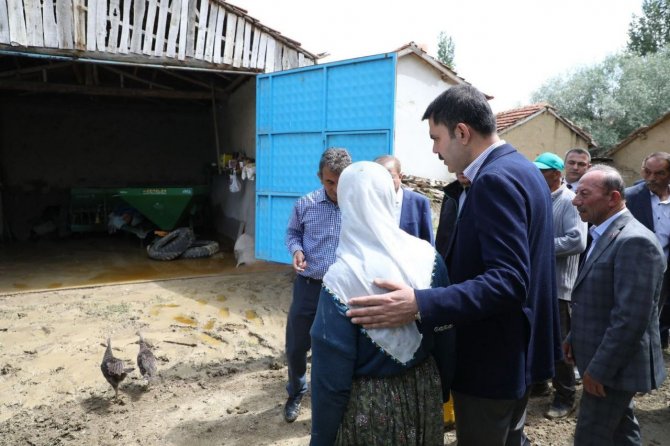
(244, 250)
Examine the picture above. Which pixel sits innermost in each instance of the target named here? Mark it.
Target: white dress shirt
(397, 210)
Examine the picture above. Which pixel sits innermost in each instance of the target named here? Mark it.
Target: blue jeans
(298, 342)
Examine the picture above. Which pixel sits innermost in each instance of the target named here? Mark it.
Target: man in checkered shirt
(312, 237)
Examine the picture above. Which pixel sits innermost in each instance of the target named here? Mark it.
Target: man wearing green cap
(569, 241)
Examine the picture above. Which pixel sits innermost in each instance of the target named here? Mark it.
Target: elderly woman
(377, 386)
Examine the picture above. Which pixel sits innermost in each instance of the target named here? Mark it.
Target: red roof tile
(508, 118)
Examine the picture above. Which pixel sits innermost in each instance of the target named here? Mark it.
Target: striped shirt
(314, 229)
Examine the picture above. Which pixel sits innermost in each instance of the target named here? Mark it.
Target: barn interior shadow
(96, 260)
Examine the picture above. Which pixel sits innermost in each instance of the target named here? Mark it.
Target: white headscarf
(373, 246)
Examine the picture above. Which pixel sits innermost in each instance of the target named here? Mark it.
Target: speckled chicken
(146, 360)
(113, 369)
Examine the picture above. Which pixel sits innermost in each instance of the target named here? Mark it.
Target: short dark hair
(612, 181)
(334, 158)
(579, 150)
(462, 103)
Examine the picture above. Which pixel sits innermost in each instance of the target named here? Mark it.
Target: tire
(200, 249)
(172, 245)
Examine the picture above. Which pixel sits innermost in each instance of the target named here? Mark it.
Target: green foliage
(613, 98)
(446, 50)
(651, 31)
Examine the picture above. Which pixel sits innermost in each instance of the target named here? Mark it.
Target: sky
(506, 49)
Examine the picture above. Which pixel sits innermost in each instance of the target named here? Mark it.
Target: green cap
(549, 160)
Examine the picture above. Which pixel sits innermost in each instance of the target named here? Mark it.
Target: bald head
(392, 164)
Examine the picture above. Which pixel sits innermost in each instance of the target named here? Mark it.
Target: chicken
(113, 369)
(146, 360)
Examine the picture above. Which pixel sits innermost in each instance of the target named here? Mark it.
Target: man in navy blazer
(412, 209)
(614, 333)
(501, 263)
(649, 202)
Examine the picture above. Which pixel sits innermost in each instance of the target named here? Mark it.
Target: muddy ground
(219, 344)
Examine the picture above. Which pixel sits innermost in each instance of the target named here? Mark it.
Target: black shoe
(540, 389)
(292, 408)
(559, 409)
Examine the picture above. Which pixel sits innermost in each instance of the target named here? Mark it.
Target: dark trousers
(664, 324)
(564, 378)
(483, 421)
(607, 421)
(664, 312)
(298, 342)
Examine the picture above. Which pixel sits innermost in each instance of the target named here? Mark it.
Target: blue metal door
(302, 112)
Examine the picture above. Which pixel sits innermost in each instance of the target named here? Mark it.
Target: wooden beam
(189, 79)
(19, 72)
(36, 87)
(131, 60)
(136, 78)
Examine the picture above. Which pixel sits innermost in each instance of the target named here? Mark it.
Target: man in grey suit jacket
(614, 337)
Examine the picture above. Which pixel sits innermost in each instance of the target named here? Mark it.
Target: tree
(446, 50)
(613, 98)
(651, 31)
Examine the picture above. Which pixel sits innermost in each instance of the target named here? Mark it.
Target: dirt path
(219, 343)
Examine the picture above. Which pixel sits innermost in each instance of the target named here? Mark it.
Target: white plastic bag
(234, 183)
(249, 172)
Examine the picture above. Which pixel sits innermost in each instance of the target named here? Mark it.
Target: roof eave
(447, 72)
(637, 132)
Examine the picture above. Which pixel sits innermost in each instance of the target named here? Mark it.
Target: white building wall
(236, 210)
(417, 84)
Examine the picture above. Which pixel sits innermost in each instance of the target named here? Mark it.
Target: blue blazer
(638, 202)
(503, 298)
(415, 216)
